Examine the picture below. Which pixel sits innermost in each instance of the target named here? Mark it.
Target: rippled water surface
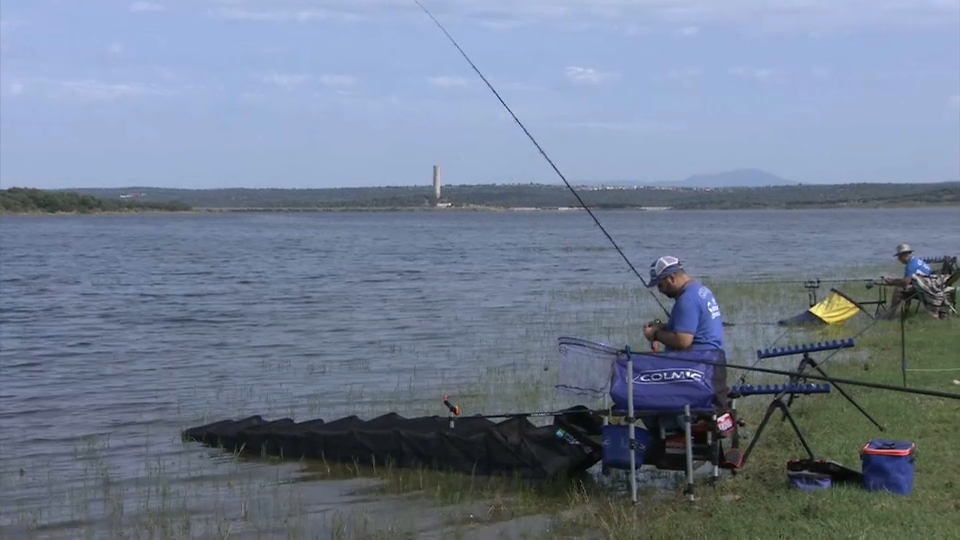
(120, 331)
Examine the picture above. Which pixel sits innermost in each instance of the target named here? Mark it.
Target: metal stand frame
(807, 361)
(796, 386)
(903, 341)
(687, 419)
(777, 403)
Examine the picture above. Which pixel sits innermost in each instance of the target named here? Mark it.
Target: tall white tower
(436, 183)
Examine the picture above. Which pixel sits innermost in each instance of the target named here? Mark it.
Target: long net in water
(585, 368)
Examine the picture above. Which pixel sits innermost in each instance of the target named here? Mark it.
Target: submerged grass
(233, 497)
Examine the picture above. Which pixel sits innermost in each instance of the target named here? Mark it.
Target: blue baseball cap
(663, 267)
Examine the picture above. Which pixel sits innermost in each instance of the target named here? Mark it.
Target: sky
(330, 93)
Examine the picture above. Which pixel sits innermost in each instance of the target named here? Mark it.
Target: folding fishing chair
(936, 294)
(665, 412)
(682, 399)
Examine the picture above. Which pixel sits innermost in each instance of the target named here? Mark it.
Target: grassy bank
(758, 503)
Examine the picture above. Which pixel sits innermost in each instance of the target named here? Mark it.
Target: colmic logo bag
(888, 466)
(665, 384)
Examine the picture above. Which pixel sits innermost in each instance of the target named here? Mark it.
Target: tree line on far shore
(92, 200)
(37, 201)
(554, 196)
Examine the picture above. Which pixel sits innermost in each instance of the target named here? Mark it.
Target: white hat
(903, 248)
(663, 267)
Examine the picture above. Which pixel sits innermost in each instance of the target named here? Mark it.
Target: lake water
(117, 332)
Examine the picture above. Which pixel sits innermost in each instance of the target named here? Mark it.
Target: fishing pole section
(542, 151)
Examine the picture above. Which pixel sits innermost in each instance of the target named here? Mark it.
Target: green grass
(759, 504)
(257, 498)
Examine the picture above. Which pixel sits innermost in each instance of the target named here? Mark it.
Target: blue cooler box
(616, 446)
(888, 466)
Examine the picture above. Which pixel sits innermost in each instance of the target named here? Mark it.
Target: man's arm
(674, 340)
(686, 317)
(901, 282)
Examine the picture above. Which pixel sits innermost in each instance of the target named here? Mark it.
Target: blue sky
(322, 93)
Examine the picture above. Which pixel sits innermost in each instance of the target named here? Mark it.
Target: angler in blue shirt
(695, 322)
(913, 266)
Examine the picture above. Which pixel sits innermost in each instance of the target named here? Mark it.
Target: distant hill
(735, 178)
(748, 178)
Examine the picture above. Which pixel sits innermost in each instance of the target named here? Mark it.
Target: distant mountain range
(735, 178)
(727, 179)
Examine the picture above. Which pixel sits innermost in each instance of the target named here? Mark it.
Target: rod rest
(809, 347)
(757, 389)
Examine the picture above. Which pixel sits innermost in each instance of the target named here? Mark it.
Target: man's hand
(898, 282)
(650, 329)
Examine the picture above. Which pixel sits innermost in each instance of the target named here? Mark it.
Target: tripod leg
(850, 399)
(796, 429)
(763, 423)
(903, 345)
(795, 379)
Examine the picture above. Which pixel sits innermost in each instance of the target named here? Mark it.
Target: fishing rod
(543, 153)
(810, 282)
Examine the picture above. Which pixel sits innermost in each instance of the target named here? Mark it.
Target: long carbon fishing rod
(812, 281)
(542, 152)
(833, 380)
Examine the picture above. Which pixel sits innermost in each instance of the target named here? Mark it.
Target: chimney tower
(436, 183)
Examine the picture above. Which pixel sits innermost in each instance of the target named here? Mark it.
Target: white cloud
(338, 81)
(98, 90)
(953, 102)
(640, 126)
(293, 14)
(289, 81)
(688, 31)
(685, 76)
(286, 80)
(755, 15)
(447, 81)
(15, 88)
(588, 75)
(115, 48)
(759, 74)
(141, 7)
(103, 91)
(820, 73)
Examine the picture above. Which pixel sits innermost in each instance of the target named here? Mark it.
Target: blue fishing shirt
(915, 266)
(697, 312)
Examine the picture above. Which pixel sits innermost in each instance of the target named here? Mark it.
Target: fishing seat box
(888, 466)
